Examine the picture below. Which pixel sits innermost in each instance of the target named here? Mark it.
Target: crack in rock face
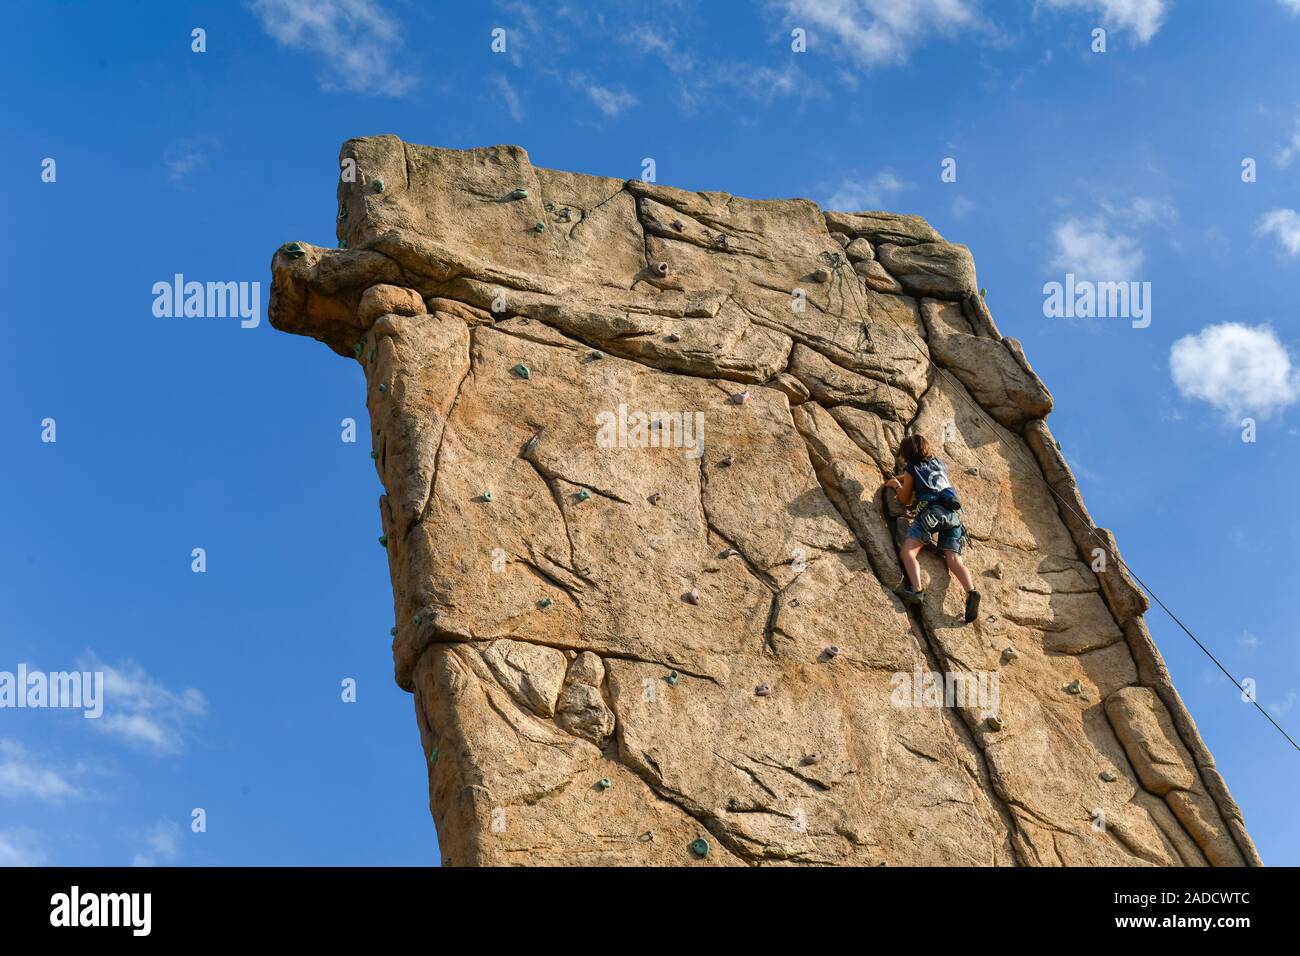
(642, 562)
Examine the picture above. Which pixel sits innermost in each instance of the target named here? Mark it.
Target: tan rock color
(632, 440)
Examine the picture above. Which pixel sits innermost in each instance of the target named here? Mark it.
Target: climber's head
(913, 448)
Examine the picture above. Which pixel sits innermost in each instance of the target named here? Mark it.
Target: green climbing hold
(671, 678)
(417, 620)
(583, 494)
(700, 847)
(604, 783)
(522, 371)
(487, 496)
(433, 755)
(540, 227)
(519, 194)
(356, 350)
(370, 356)
(379, 185)
(343, 243)
(983, 293)
(392, 632)
(293, 250)
(382, 388)
(374, 455)
(383, 540)
(545, 603)
(597, 356)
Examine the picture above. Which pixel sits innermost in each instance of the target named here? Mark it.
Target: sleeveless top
(930, 479)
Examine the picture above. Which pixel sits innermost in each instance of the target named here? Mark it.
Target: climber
(924, 478)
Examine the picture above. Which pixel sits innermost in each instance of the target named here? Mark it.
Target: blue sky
(175, 434)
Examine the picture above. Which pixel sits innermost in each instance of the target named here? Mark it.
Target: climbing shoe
(972, 606)
(914, 598)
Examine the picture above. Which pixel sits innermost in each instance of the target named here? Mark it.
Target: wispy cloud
(1292, 6)
(1105, 246)
(856, 195)
(1247, 642)
(1289, 150)
(873, 33)
(21, 847)
(1094, 249)
(23, 776)
(357, 39)
(1283, 225)
(1238, 369)
(609, 100)
(1285, 705)
(510, 97)
(143, 712)
(1143, 18)
(162, 844)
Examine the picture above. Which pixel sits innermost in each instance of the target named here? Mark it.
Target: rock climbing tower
(631, 441)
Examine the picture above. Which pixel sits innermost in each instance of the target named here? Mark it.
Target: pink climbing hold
(728, 461)
(693, 596)
(661, 268)
(740, 398)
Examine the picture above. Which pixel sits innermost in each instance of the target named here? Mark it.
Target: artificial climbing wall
(631, 441)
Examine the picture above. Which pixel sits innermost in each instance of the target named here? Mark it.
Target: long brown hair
(913, 448)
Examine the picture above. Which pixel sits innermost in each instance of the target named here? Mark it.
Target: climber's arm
(902, 484)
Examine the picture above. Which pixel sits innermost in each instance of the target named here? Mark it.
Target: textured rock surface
(623, 639)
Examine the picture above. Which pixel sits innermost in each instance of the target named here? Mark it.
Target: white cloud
(1284, 226)
(1247, 642)
(1093, 249)
(1288, 151)
(1142, 17)
(608, 100)
(1237, 368)
(357, 39)
(179, 163)
(877, 32)
(854, 195)
(1285, 706)
(1292, 6)
(21, 775)
(20, 847)
(510, 96)
(162, 844)
(141, 711)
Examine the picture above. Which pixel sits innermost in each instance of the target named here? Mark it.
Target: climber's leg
(959, 570)
(951, 542)
(911, 548)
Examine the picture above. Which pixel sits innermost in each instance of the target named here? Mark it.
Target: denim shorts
(947, 524)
